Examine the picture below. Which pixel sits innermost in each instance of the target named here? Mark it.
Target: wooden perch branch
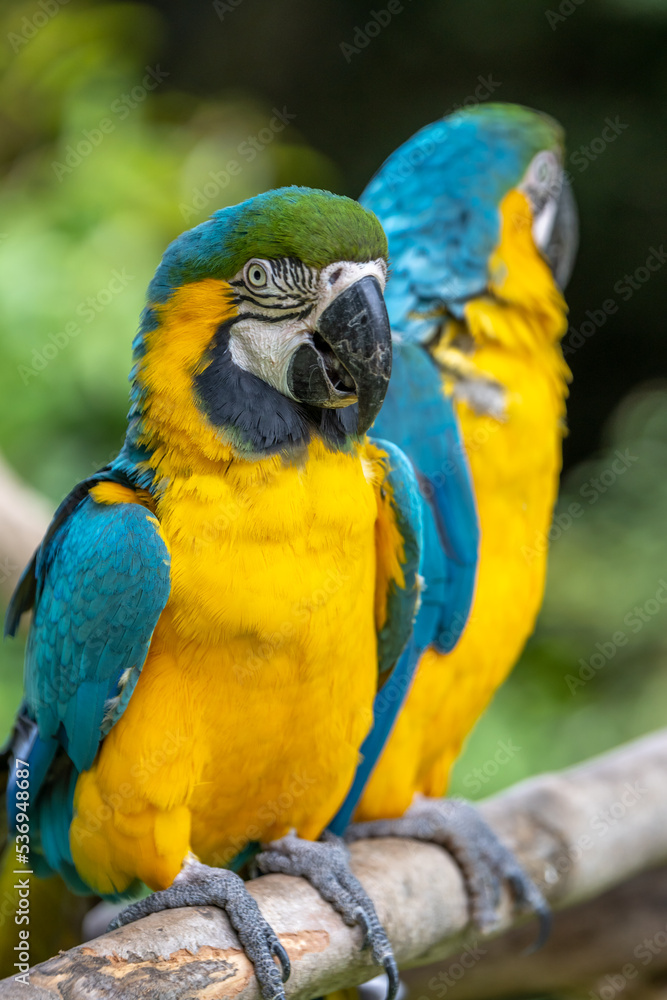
(614, 944)
(580, 833)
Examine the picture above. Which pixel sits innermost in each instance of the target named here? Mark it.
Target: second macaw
(482, 232)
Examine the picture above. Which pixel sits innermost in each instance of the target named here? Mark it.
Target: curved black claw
(325, 864)
(485, 863)
(198, 885)
(376, 989)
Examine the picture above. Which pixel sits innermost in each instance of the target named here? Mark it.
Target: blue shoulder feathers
(98, 584)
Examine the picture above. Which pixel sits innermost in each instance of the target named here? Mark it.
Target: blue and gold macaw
(214, 611)
(482, 233)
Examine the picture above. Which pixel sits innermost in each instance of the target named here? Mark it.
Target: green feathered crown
(315, 227)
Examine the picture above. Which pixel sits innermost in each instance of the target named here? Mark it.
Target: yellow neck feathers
(524, 314)
(173, 427)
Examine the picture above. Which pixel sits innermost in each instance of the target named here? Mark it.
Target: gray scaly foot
(198, 885)
(325, 865)
(485, 863)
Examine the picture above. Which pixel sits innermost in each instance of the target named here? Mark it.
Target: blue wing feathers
(99, 591)
(421, 419)
(401, 601)
(22, 599)
(53, 817)
(388, 704)
(24, 596)
(98, 584)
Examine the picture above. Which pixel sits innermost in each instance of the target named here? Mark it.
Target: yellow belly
(258, 688)
(515, 466)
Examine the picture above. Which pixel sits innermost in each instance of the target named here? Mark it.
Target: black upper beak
(564, 240)
(349, 359)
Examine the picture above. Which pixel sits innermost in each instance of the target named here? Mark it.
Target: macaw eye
(256, 274)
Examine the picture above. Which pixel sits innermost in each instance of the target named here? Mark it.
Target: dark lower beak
(349, 359)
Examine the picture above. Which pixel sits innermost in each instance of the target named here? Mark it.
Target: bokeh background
(117, 123)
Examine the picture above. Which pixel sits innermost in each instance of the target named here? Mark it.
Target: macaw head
(265, 327)
(441, 198)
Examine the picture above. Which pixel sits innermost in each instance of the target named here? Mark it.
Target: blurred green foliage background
(117, 122)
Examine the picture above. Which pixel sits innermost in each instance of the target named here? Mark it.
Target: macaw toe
(485, 863)
(198, 885)
(325, 865)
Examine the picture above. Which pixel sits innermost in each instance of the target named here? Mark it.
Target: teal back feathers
(437, 197)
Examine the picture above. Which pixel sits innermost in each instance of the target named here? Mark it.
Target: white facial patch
(265, 349)
(262, 343)
(542, 184)
(543, 224)
(335, 278)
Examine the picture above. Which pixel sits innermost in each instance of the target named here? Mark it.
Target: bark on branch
(579, 832)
